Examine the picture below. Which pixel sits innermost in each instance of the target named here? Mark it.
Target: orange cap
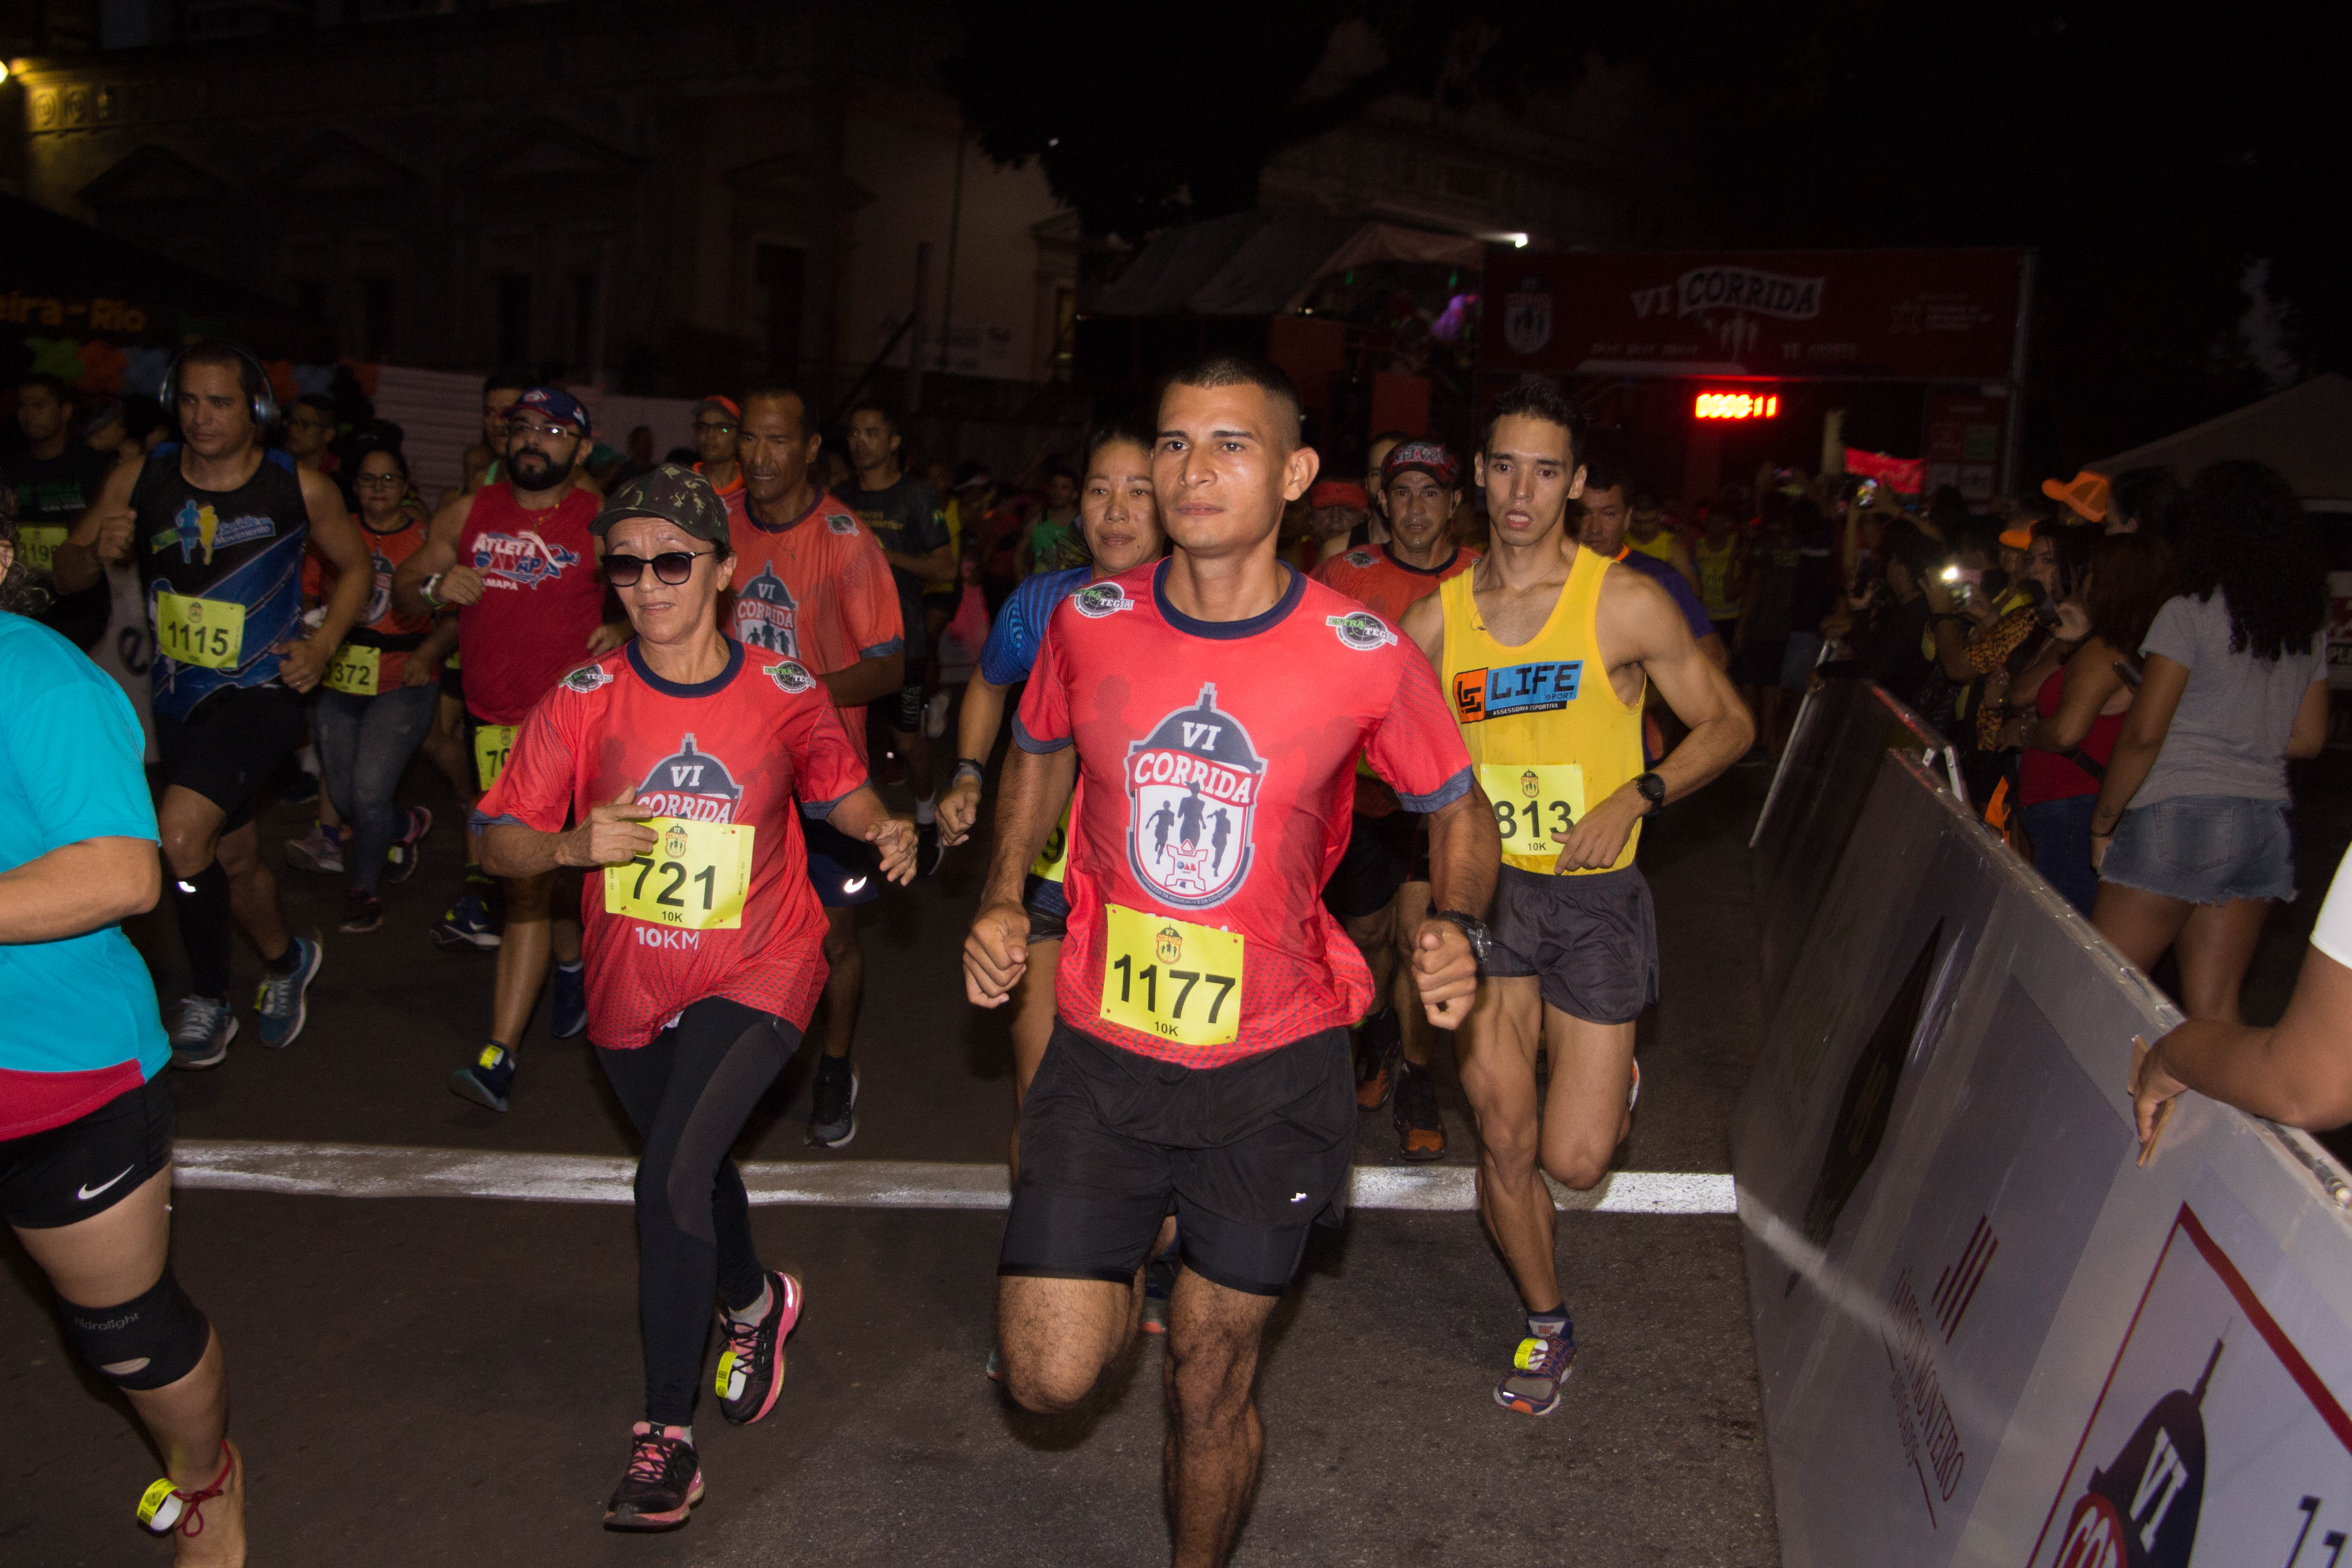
(2086, 494)
(2016, 538)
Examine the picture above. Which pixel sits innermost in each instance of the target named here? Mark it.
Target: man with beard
(516, 560)
(812, 585)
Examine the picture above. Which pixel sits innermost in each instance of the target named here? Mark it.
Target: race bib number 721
(694, 878)
(1171, 978)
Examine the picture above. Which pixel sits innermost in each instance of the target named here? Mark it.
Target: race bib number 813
(1171, 978)
(695, 879)
(1533, 801)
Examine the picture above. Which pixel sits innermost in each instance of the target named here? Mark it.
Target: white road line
(376, 1171)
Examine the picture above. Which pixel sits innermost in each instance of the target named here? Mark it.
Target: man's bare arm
(939, 562)
(337, 538)
(439, 553)
(871, 678)
(102, 533)
(1425, 626)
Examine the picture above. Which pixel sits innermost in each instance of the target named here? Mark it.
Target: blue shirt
(1686, 599)
(1012, 641)
(70, 769)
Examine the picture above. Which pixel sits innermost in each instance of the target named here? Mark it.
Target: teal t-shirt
(70, 769)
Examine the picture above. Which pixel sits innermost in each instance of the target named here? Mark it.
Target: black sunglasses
(671, 566)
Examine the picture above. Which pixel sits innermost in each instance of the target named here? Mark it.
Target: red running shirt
(1215, 780)
(545, 599)
(385, 551)
(1384, 585)
(816, 590)
(736, 749)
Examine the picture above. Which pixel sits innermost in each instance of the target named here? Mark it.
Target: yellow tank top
(1714, 565)
(1661, 545)
(1545, 730)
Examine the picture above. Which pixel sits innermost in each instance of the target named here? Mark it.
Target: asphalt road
(440, 1380)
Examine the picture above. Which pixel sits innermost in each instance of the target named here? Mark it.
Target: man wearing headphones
(216, 526)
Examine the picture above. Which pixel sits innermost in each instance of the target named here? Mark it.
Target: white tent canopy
(2305, 432)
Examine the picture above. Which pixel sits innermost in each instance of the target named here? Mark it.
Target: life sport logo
(691, 784)
(767, 615)
(520, 562)
(1192, 788)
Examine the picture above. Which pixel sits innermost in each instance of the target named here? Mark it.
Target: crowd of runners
(1304, 782)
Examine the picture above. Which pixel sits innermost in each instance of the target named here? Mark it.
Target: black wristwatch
(1651, 788)
(1481, 941)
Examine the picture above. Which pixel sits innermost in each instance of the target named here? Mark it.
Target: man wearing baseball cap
(517, 561)
(1335, 509)
(1379, 890)
(717, 421)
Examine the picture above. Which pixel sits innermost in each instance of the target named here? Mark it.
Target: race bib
(694, 878)
(493, 743)
(209, 632)
(1171, 978)
(1054, 859)
(1532, 801)
(354, 671)
(37, 544)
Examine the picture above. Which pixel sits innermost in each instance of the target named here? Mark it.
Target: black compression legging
(689, 1092)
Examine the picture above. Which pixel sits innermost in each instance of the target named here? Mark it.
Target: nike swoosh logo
(86, 1194)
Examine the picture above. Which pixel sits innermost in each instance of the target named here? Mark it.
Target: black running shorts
(1249, 1156)
(1049, 909)
(844, 870)
(1373, 867)
(230, 744)
(62, 1175)
(1592, 941)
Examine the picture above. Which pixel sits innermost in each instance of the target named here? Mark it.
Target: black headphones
(264, 406)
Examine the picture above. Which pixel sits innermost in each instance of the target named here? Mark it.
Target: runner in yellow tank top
(1544, 649)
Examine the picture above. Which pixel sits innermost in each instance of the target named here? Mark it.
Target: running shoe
(465, 926)
(568, 1000)
(321, 850)
(663, 1481)
(833, 1103)
(280, 1005)
(935, 714)
(201, 1034)
(1538, 1370)
(928, 853)
(995, 1364)
(487, 1080)
(752, 1367)
(1379, 1043)
(402, 856)
(1158, 1280)
(362, 911)
(1420, 1132)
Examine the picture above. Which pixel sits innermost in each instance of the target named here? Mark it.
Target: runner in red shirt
(1374, 892)
(687, 760)
(714, 421)
(516, 558)
(811, 582)
(1211, 709)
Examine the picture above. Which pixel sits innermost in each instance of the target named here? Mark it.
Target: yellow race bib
(493, 743)
(1171, 978)
(695, 879)
(37, 545)
(1533, 801)
(210, 632)
(1054, 858)
(354, 671)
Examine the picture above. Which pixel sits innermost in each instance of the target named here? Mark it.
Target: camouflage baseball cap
(677, 496)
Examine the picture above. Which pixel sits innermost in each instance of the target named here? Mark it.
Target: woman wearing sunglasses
(377, 700)
(687, 759)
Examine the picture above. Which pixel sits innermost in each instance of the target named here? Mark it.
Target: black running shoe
(928, 852)
(752, 1367)
(833, 1103)
(1420, 1132)
(663, 1481)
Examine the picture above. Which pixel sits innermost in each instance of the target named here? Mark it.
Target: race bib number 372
(355, 672)
(1171, 978)
(694, 878)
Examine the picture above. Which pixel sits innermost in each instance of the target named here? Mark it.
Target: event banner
(1908, 315)
(1986, 1335)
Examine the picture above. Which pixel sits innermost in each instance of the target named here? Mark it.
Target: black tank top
(241, 547)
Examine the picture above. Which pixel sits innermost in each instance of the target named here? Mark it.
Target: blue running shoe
(279, 1005)
(1538, 1372)
(465, 926)
(568, 1000)
(487, 1080)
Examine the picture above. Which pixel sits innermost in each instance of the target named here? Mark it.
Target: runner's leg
(390, 728)
(1412, 908)
(1033, 1026)
(189, 825)
(1585, 1111)
(253, 892)
(845, 986)
(522, 957)
(1496, 1050)
(1214, 1437)
(1060, 1335)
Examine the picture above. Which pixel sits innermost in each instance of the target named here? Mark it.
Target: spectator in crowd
(641, 455)
(2087, 495)
(1051, 541)
(2190, 833)
(1336, 511)
(1890, 628)
(1793, 576)
(2066, 708)
(310, 426)
(2149, 502)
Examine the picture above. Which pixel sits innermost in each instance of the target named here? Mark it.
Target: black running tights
(689, 1092)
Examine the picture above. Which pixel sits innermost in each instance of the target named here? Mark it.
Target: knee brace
(156, 1339)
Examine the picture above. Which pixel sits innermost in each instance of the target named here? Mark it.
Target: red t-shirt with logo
(545, 598)
(816, 590)
(1375, 578)
(1216, 781)
(736, 749)
(385, 553)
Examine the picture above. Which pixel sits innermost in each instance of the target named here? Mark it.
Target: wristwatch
(425, 590)
(1481, 941)
(972, 766)
(1652, 789)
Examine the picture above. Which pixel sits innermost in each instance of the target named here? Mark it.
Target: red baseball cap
(1430, 456)
(1340, 492)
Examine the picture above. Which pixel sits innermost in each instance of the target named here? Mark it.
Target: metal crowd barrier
(1985, 1334)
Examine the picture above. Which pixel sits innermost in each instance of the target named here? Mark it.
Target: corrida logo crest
(1192, 787)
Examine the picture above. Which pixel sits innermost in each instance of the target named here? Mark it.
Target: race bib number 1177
(1171, 978)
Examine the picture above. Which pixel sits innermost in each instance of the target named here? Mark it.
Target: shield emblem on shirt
(1192, 787)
